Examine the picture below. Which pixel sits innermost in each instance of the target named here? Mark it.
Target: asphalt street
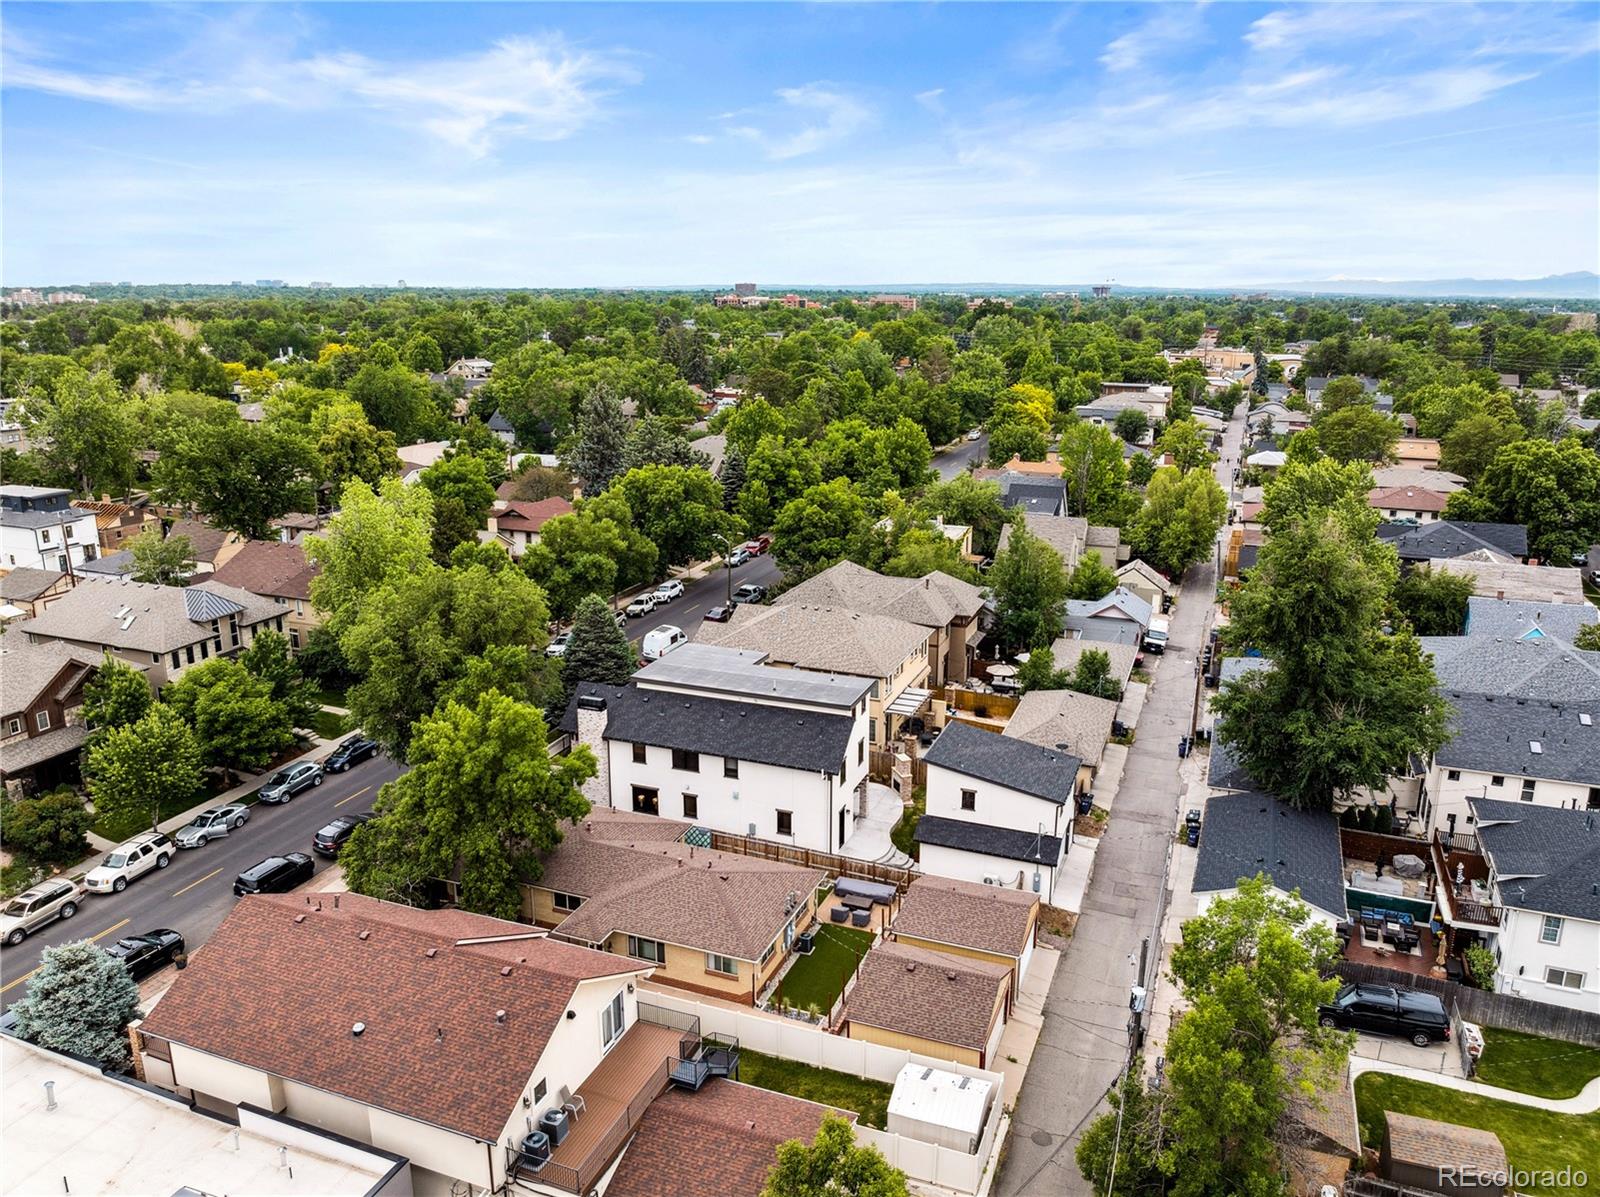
(194, 893)
(955, 461)
(688, 609)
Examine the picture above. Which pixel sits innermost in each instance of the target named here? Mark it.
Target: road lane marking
(192, 884)
(354, 796)
(91, 939)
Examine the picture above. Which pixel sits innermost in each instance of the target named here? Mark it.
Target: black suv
(1419, 1017)
(352, 752)
(332, 837)
(148, 953)
(274, 875)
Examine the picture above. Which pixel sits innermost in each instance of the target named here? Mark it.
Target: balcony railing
(1456, 854)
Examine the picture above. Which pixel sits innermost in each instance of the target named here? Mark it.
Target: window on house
(639, 754)
(67, 531)
(44, 536)
(646, 801)
(612, 1020)
(566, 901)
(174, 658)
(1527, 789)
(233, 631)
(294, 638)
(1594, 798)
(14, 727)
(768, 954)
(691, 806)
(726, 965)
(969, 799)
(652, 950)
(205, 650)
(785, 822)
(730, 766)
(42, 720)
(539, 1090)
(1453, 775)
(686, 761)
(1550, 931)
(190, 652)
(872, 730)
(1564, 977)
(1497, 780)
(861, 751)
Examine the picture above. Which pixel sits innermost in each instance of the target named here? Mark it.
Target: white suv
(138, 856)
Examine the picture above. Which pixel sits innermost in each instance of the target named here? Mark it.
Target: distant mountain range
(1580, 284)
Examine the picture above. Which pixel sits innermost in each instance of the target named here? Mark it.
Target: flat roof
(110, 1135)
(741, 671)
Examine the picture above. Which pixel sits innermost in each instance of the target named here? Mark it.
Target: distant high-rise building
(742, 289)
(270, 282)
(1102, 290)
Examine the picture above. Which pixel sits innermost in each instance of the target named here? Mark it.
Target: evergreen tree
(598, 651)
(80, 1001)
(732, 477)
(602, 440)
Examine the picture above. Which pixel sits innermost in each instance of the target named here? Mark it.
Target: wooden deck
(1418, 964)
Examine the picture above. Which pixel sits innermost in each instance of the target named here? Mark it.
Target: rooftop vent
(506, 971)
(500, 1017)
(431, 953)
(1585, 718)
(911, 966)
(358, 1029)
(299, 918)
(362, 935)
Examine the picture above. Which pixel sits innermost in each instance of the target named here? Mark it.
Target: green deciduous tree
(115, 696)
(80, 1001)
(165, 560)
(1030, 585)
(397, 399)
(977, 505)
(678, 508)
(1091, 578)
(85, 429)
(1178, 524)
(376, 535)
(1187, 443)
(481, 804)
(242, 477)
(1434, 603)
(354, 448)
(815, 530)
(1552, 488)
(1093, 468)
(1093, 675)
(1131, 424)
(236, 719)
(833, 1164)
(1588, 638)
(596, 550)
(1358, 433)
(138, 768)
(1471, 446)
(268, 659)
(51, 829)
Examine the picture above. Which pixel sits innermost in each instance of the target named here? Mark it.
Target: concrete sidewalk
(1586, 1102)
(870, 838)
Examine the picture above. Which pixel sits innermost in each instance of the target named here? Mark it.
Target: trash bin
(1085, 803)
(1193, 835)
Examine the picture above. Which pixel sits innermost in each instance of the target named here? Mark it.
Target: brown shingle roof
(27, 669)
(734, 1129)
(832, 639)
(932, 995)
(271, 568)
(1053, 718)
(281, 983)
(932, 600)
(1433, 1144)
(205, 540)
(967, 915)
(522, 515)
(160, 614)
(1406, 498)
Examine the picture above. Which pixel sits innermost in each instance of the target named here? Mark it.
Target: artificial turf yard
(1533, 1064)
(819, 979)
(1536, 1140)
(868, 1098)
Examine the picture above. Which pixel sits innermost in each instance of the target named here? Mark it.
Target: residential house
(1417, 452)
(1067, 651)
(1442, 481)
(1318, 383)
(1224, 770)
(26, 591)
(999, 810)
(931, 1003)
(1532, 665)
(418, 457)
(1106, 540)
(1247, 834)
(725, 741)
(212, 547)
(276, 570)
(108, 565)
(41, 700)
(439, 1035)
(1121, 617)
(118, 523)
(41, 529)
(470, 367)
(946, 606)
(515, 524)
(1454, 538)
(1033, 493)
(1078, 724)
(502, 428)
(889, 654)
(295, 526)
(1509, 580)
(1066, 534)
(1147, 582)
(1531, 750)
(1266, 460)
(968, 919)
(163, 630)
(1543, 865)
(1531, 619)
(1407, 503)
(717, 923)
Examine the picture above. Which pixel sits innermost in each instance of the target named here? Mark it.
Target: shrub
(49, 829)
(1480, 963)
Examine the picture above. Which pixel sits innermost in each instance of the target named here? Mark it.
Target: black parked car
(331, 838)
(352, 752)
(148, 953)
(718, 614)
(274, 875)
(1419, 1017)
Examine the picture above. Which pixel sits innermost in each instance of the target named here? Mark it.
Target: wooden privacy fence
(1504, 1010)
(837, 866)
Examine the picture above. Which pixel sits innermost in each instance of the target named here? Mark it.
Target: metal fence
(1504, 1010)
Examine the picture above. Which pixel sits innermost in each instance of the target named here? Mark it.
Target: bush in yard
(80, 1001)
(833, 1165)
(1480, 963)
(49, 829)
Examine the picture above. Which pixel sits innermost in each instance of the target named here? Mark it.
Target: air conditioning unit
(991, 879)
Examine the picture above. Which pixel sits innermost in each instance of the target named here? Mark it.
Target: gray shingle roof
(1498, 735)
(27, 584)
(1066, 534)
(1016, 764)
(746, 731)
(933, 600)
(26, 669)
(1511, 580)
(1522, 619)
(1547, 859)
(159, 618)
(1004, 842)
(1046, 496)
(1051, 718)
(1454, 538)
(831, 639)
(1542, 667)
(1104, 631)
(1120, 600)
(1250, 833)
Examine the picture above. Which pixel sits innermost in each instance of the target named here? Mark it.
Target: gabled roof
(1068, 650)
(24, 583)
(1406, 498)
(281, 984)
(1015, 764)
(111, 565)
(1524, 737)
(158, 618)
(1425, 1143)
(27, 670)
(1047, 496)
(1028, 847)
(1527, 619)
(930, 995)
(1451, 538)
(931, 601)
(831, 639)
(1149, 573)
(1066, 534)
(1440, 480)
(1121, 603)
(525, 515)
(1249, 833)
(204, 540)
(965, 914)
(1064, 720)
(1546, 858)
(498, 423)
(271, 568)
(1526, 667)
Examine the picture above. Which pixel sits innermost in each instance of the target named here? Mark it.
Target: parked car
(1384, 1010)
(658, 642)
(642, 605)
(558, 646)
(749, 593)
(352, 752)
(719, 615)
(762, 543)
(286, 783)
(622, 619)
(122, 864)
(669, 590)
(738, 557)
(147, 953)
(975, 435)
(38, 907)
(274, 875)
(332, 836)
(211, 823)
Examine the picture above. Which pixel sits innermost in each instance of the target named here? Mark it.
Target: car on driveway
(38, 907)
(749, 593)
(286, 783)
(332, 836)
(1385, 1010)
(669, 590)
(642, 605)
(558, 646)
(147, 953)
(211, 823)
(718, 615)
(738, 557)
(352, 752)
(274, 875)
(124, 863)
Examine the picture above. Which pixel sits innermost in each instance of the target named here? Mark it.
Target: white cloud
(830, 116)
(932, 99)
(1173, 27)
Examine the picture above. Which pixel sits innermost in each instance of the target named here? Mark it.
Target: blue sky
(664, 144)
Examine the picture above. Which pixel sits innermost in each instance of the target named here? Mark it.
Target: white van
(658, 642)
(1155, 639)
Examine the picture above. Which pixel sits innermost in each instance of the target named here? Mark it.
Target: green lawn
(819, 979)
(1533, 1139)
(907, 826)
(329, 698)
(868, 1098)
(129, 824)
(1533, 1064)
(328, 725)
